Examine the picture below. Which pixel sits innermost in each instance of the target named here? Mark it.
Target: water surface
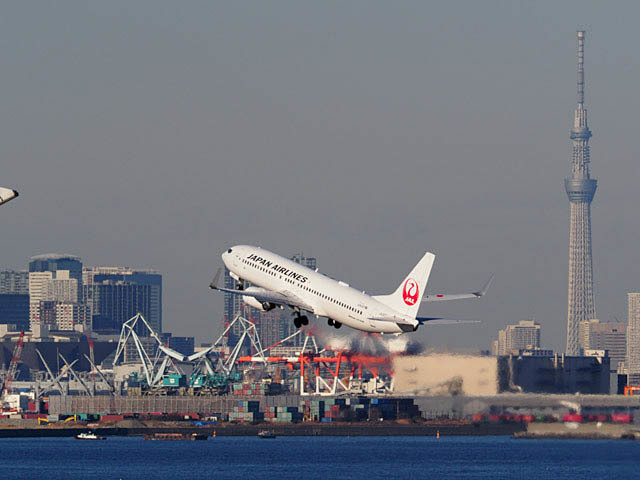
(303, 458)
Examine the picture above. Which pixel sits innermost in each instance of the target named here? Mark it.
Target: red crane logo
(410, 292)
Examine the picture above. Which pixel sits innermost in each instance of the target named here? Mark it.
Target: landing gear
(334, 323)
(301, 320)
(337, 324)
(330, 322)
(240, 286)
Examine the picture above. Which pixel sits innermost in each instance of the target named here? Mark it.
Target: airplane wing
(7, 194)
(263, 295)
(459, 296)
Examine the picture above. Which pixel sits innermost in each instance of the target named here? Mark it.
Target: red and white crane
(13, 368)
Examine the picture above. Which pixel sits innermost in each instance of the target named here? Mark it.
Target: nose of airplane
(226, 256)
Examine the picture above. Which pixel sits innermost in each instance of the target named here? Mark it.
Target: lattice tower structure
(580, 188)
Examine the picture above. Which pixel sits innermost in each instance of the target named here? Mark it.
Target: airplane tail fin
(407, 297)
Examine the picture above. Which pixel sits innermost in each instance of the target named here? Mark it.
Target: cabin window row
(315, 292)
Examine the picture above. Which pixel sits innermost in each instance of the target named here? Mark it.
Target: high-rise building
(274, 325)
(115, 294)
(580, 189)
(71, 316)
(585, 327)
(525, 335)
(52, 278)
(632, 362)
(609, 336)
(14, 282)
(38, 282)
(14, 310)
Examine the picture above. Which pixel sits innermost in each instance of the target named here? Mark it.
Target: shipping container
(621, 417)
(111, 418)
(573, 417)
(478, 418)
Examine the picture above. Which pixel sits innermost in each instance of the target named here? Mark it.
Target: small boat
(266, 434)
(89, 436)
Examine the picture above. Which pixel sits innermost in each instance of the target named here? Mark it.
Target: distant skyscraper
(14, 298)
(14, 310)
(525, 335)
(580, 190)
(632, 363)
(609, 336)
(14, 282)
(69, 316)
(115, 294)
(52, 278)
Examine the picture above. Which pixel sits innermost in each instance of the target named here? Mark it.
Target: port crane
(12, 370)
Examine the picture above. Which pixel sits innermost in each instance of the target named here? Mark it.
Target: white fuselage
(328, 297)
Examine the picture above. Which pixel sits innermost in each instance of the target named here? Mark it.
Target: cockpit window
(229, 251)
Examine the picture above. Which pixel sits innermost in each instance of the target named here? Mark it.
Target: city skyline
(362, 140)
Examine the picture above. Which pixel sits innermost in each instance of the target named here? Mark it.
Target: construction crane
(13, 369)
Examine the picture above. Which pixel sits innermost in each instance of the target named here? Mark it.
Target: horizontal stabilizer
(459, 296)
(443, 321)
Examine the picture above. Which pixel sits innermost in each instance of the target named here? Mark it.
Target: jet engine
(255, 303)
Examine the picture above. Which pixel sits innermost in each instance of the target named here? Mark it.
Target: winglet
(214, 283)
(486, 286)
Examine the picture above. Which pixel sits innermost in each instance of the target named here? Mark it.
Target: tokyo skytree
(580, 190)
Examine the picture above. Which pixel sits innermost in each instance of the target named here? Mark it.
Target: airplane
(278, 281)
(7, 194)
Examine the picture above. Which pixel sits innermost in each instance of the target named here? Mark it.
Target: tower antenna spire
(581, 66)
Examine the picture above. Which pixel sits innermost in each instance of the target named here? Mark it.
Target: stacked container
(246, 411)
(249, 389)
(282, 415)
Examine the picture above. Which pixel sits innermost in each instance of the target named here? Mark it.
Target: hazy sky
(158, 133)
